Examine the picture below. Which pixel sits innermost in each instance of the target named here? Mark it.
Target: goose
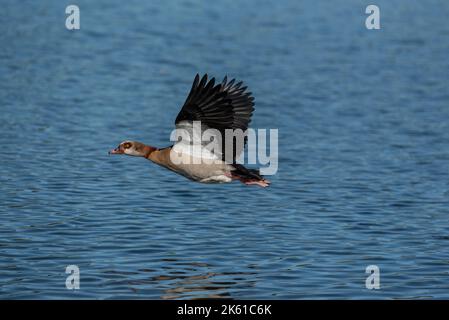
(212, 108)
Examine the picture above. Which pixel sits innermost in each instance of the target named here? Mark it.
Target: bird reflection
(193, 280)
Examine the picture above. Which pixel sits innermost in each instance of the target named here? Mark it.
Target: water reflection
(192, 280)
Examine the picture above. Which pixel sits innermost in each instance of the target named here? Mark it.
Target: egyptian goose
(219, 107)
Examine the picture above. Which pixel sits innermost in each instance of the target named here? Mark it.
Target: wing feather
(218, 106)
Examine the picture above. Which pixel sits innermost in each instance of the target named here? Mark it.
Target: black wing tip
(231, 85)
(199, 80)
(208, 95)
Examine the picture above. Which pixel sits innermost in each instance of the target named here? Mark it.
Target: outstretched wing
(222, 106)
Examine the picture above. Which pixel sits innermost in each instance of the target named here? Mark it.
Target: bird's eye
(127, 145)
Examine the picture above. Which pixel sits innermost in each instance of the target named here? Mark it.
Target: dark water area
(363, 179)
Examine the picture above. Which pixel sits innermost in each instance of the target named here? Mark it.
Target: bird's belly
(205, 173)
(216, 179)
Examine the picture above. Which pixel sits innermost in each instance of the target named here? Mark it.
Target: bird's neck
(147, 151)
(160, 156)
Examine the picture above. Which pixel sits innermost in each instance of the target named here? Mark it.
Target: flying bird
(213, 108)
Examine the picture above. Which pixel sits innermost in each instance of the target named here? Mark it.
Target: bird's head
(132, 148)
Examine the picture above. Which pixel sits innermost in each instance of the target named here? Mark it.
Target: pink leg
(262, 183)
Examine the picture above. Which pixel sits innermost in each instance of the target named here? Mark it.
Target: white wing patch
(189, 145)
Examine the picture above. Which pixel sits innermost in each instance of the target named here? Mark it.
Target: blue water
(363, 139)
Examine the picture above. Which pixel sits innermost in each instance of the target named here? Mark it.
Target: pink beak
(116, 151)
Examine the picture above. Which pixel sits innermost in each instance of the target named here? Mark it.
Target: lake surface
(363, 179)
